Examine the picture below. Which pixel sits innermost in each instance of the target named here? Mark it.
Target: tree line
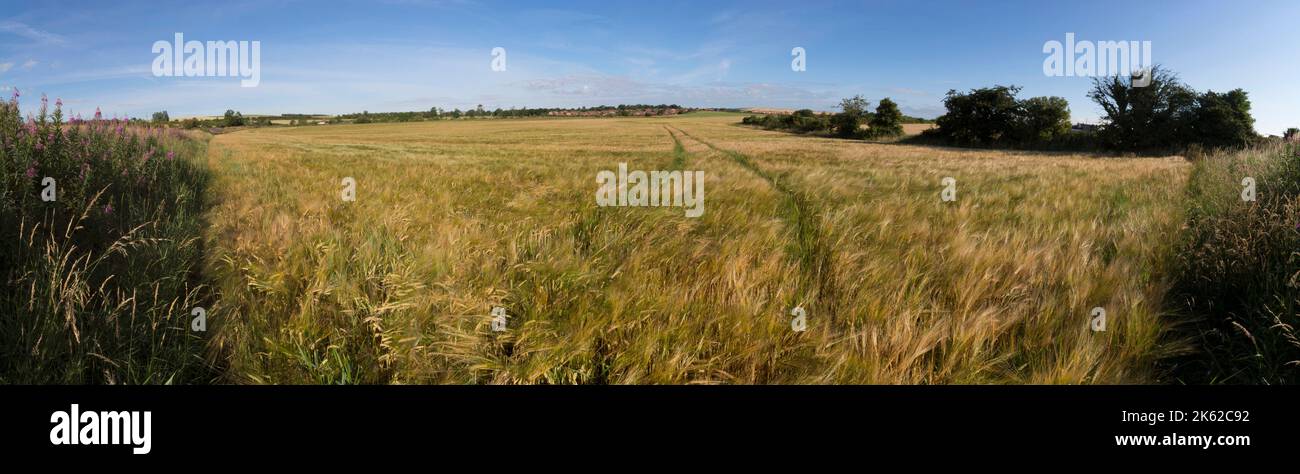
(1164, 115)
(886, 122)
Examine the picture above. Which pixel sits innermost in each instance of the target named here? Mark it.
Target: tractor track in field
(679, 151)
(817, 281)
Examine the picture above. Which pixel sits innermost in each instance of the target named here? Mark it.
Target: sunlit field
(453, 218)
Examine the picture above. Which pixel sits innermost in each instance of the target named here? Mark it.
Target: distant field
(452, 218)
(915, 128)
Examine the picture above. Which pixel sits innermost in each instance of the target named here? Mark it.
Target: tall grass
(1239, 269)
(454, 218)
(98, 283)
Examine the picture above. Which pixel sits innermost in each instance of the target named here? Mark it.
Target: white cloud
(25, 31)
(5, 67)
(611, 89)
(31, 63)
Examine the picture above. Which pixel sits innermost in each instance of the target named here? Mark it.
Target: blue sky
(390, 55)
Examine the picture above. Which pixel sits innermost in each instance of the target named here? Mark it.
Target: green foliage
(98, 282)
(1140, 118)
(161, 117)
(1238, 272)
(848, 122)
(1043, 119)
(981, 117)
(1168, 115)
(233, 119)
(888, 120)
(802, 121)
(1222, 120)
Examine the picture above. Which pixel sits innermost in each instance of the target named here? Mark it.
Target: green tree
(1043, 119)
(980, 117)
(1152, 116)
(161, 117)
(1222, 120)
(888, 120)
(233, 118)
(848, 122)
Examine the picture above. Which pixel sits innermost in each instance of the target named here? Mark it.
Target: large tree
(1138, 117)
(1223, 120)
(980, 117)
(1043, 119)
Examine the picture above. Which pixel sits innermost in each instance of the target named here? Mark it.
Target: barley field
(453, 218)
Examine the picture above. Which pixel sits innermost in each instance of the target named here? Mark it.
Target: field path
(817, 280)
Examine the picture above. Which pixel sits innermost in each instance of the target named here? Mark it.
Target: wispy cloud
(95, 75)
(5, 67)
(908, 91)
(26, 31)
(599, 88)
(706, 50)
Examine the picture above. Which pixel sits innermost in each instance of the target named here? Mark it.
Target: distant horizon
(408, 55)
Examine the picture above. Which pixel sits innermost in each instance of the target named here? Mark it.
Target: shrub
(99, 282)
(801, 121)
(812, 124)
